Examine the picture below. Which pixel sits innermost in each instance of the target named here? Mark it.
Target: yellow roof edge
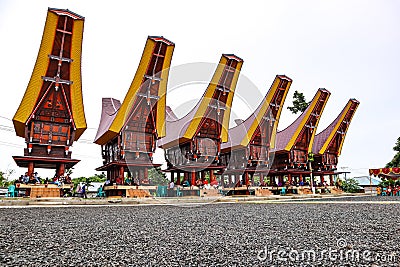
(205, 99)
(19, 128)
(310, 145)
(266, 103)
(227, 113)
(130, 96)
(162, 92)
(341, 144)
(107, 136)
(35, 83)
(77, 106)
(174, 142)
(310, 109)
(334, 130)
(278, 116)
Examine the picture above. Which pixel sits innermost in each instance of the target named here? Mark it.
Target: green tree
(350, 185)
(157, 177)
(395, 162)
(299, 103)
(4, 182)
(97, 178)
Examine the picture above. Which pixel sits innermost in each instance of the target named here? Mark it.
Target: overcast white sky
(349, 47)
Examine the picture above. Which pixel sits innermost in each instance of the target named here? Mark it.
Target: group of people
(201, 184)
(300, 183)
(35, 179)
(29, 179)
(388, 191)
(123, 181)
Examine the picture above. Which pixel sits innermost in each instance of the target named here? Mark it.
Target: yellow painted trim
(344, 136)
(130, 97)
(333, 132)
(105, 138)
(263, 110)
(228, 105)
(29, 99)
(310, 145)
(303, 122)
(205, 101)
(78, 112)
(278, 116)
(162, 92)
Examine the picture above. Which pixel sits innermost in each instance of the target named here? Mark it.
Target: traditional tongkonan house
(328, 144)
(192, 144)
(51, 115)
(248, 148)
(128, 132)
(291, 154)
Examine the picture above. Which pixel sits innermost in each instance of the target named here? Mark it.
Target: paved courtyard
(323, 233)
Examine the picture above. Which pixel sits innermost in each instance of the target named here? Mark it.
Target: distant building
(368, 183)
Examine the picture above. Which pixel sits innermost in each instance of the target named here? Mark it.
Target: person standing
(84, 189)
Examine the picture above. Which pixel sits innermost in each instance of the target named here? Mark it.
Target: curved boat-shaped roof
(186, 127)
(141, 78)
(73, 71)
(110, 107)
(339, 126)
(240, 135)
(287, 138)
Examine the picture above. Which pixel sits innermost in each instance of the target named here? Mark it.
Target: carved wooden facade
(290, 157)
(248, 149)
(128, 131)
(328, 143)
(192, 145)
(51, 116)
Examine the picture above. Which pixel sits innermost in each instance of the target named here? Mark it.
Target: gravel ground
(356, 198)
(208, 235)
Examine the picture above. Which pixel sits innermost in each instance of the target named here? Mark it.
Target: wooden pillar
(141, 175)
(31, 168)
(281, 180)
(121, 174)
(146, 174)
(331, 179)
(193, 178)
(321, 177)
(212, 176)
(246, 178)
(289, 178)
(202, 175)
(112, 174)
(178, 176)
(61, 169)
(172, 176)
(137, 175)
(261, 178)
(188, 176)
(178, 179)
